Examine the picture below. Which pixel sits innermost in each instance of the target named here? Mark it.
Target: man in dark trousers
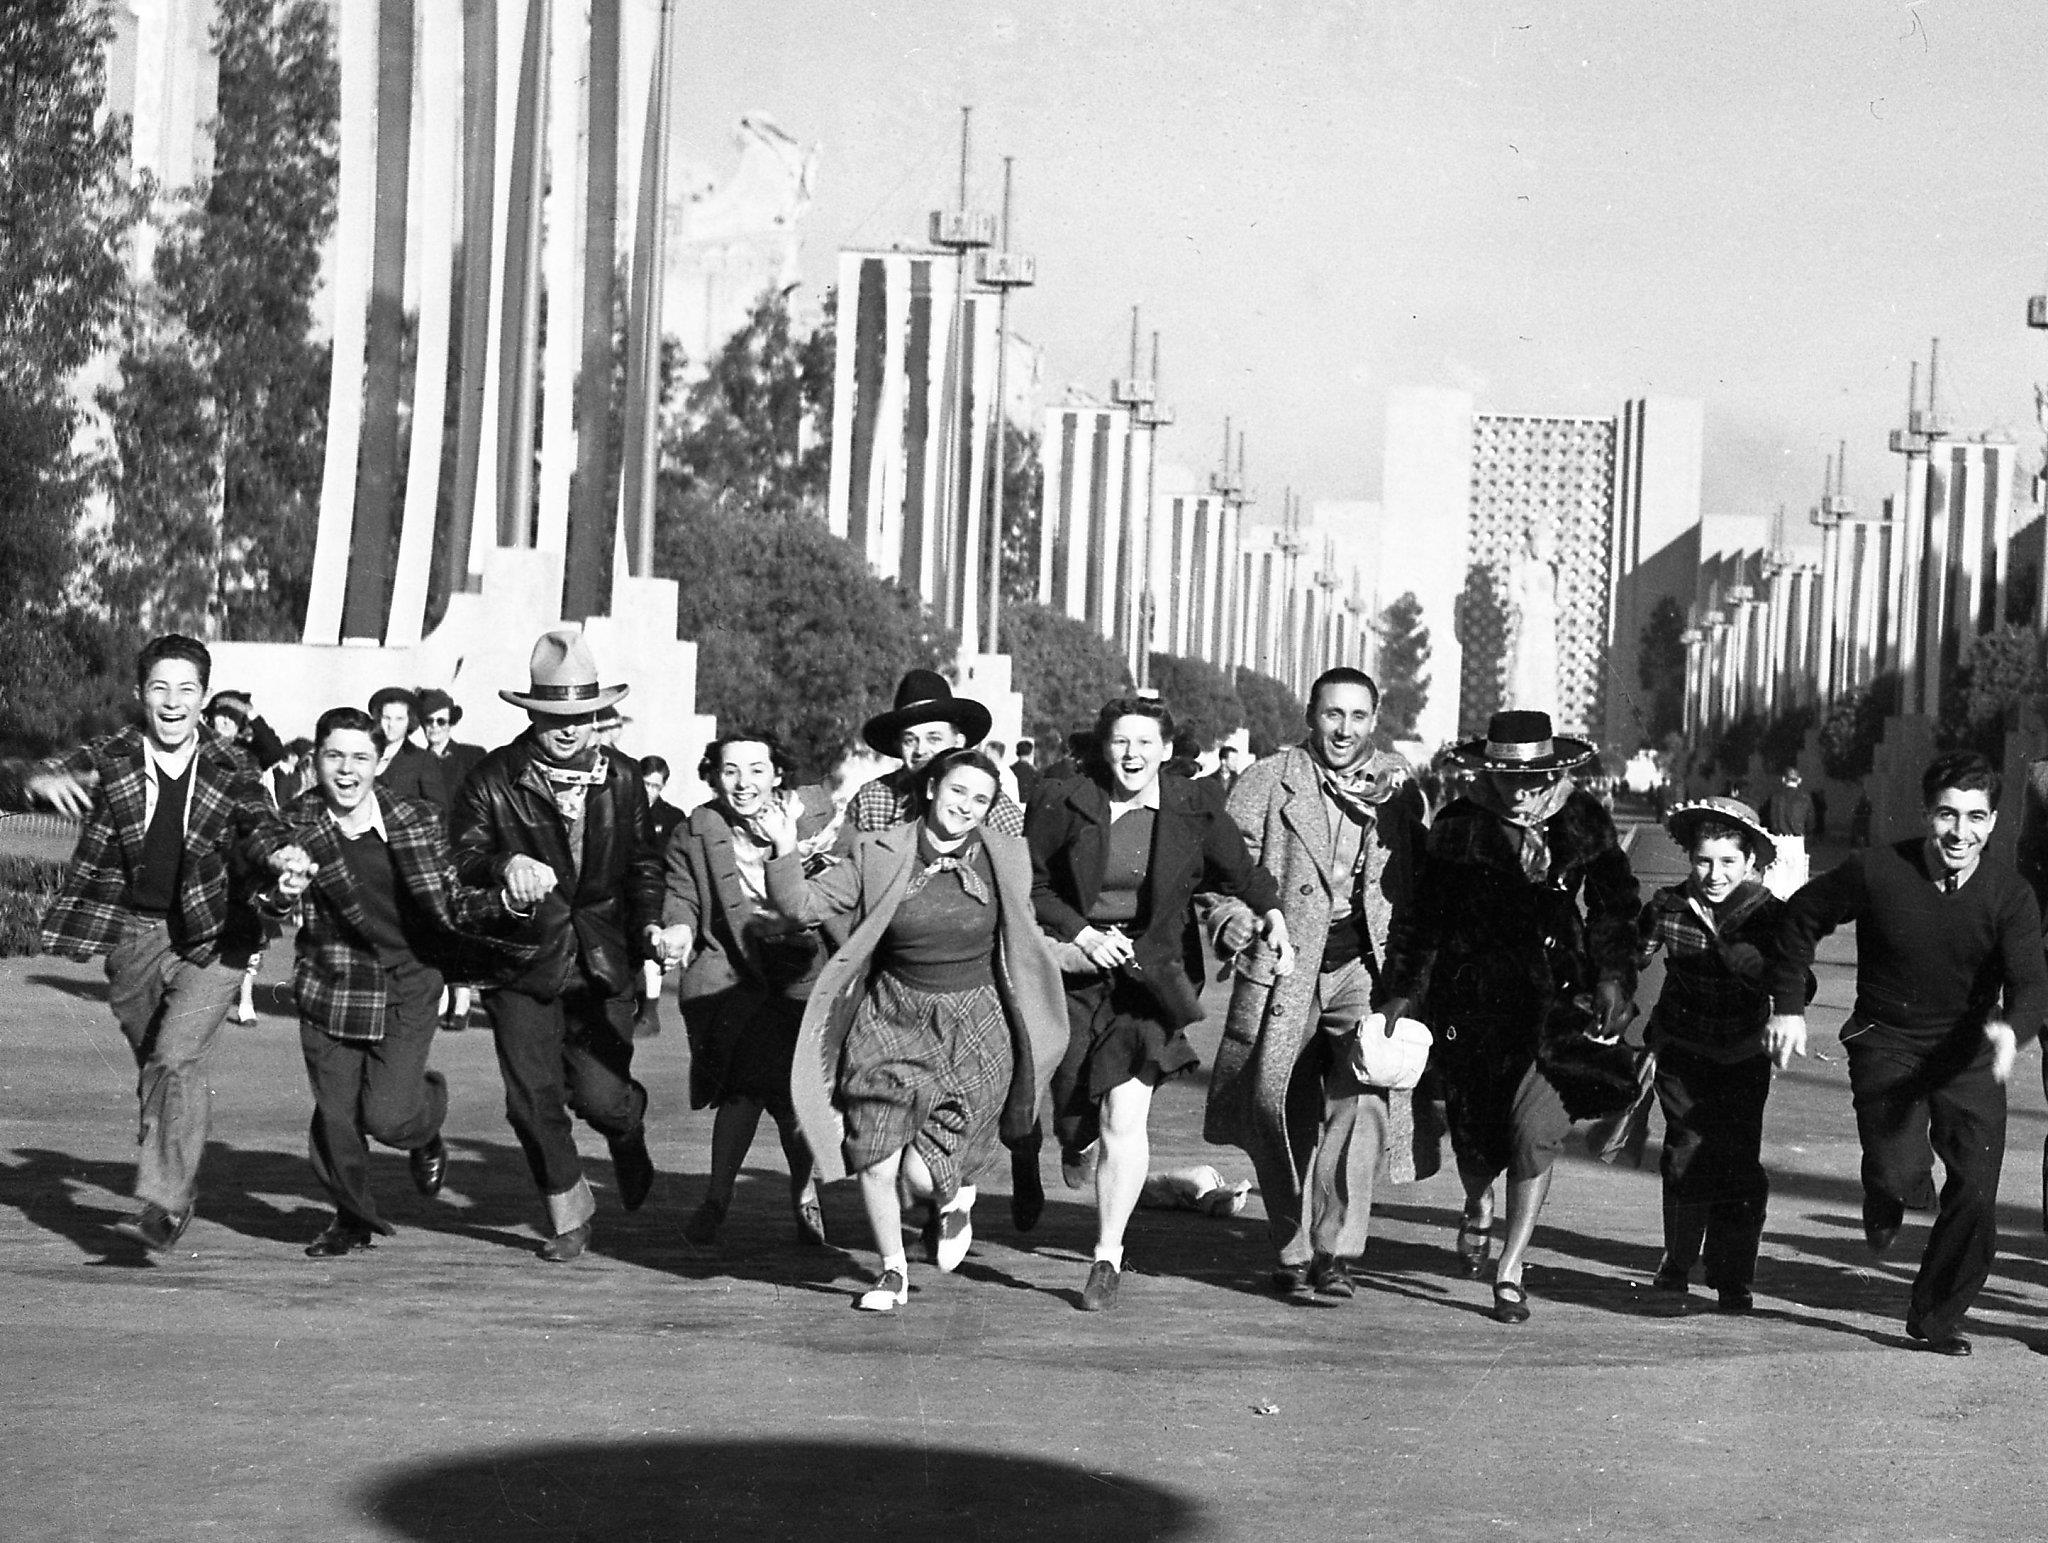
(1943, 931)
(562, 822)
(384, 912)
(163, 886)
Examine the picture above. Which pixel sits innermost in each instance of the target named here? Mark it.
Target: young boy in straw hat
(1718, 930)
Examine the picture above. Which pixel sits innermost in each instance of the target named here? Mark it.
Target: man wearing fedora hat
(926, 721)
(562, 823)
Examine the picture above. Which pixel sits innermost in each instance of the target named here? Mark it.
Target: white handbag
(1390, 1055)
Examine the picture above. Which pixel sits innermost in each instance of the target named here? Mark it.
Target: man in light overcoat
(1339, 826)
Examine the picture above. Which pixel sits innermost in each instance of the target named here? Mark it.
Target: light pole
(959, 232)
(1140, 395)
(1001, 270)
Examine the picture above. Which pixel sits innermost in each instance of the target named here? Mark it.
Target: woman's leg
(885, 1215)
(1126, 1156)
(732, 1137)
(1525, 1204)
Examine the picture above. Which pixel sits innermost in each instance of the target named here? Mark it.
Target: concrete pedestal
(481, 647)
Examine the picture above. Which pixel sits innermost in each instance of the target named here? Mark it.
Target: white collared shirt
(1146, 799)
(154, 762)
(374, 823)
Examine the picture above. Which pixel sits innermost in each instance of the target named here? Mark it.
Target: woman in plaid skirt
(936, 1026)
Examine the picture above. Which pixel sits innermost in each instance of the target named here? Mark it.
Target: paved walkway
(449, 1386)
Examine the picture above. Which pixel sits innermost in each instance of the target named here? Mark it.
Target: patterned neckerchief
(961, 860)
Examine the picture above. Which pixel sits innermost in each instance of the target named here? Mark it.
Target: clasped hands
(294, 870)
(1240, 926)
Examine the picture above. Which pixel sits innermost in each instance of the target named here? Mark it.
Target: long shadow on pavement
(658, 1489)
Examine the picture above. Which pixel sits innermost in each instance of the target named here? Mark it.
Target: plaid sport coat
(339, 982)
(228, 819)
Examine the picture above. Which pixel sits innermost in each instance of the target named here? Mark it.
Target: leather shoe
(1027, 1188)
(429, 1166)
(1881, 1220)
(341, 1238)
(632, 1169)
(1289, 1280)
(1944, 1344)
(564, 1246)
(1100, 1292)
(701, 1230)
(1331, 1277)
(155, 1228)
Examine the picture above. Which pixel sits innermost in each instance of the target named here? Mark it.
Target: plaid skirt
(927, 1070)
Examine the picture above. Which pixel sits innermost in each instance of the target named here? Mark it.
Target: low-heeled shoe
(155, 1228)
(633, 1170)
(341, 1238)
(1331, 1277)
(1100, 1292)
(429, 1166)
(565, 1246)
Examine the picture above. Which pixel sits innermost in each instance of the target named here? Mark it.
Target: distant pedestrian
(403, 768)
(1024, 770)
(654, 775)
(440, 714)
(1949, 983)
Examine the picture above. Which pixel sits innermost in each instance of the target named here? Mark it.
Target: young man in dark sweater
(1942, 934)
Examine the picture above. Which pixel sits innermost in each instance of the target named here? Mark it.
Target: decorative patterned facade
(1547, 484)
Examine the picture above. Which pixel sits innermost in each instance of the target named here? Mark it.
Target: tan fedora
(564, 678)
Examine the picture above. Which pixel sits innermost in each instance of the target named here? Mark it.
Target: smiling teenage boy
(384, 912)
(1943, 931)
(162, 885)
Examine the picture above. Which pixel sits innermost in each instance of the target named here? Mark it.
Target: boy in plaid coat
(1719, 932)
(162, 885)
(384, 912)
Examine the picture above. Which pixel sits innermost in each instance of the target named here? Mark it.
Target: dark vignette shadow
(659, 1489)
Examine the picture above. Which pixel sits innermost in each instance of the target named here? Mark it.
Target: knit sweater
(1930, 964)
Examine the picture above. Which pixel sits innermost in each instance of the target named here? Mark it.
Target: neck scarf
(1373, 781)
(571, 784)
(960, 861)
(1525, 829)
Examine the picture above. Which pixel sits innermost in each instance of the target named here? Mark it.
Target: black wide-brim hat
(1522, 741)
(926, 696)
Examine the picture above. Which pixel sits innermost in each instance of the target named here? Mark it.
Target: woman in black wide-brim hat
(1521, 951)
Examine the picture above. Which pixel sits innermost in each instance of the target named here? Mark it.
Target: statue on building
(1529, 668)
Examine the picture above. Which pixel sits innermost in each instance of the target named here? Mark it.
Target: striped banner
(910, 497)
(1084, 518)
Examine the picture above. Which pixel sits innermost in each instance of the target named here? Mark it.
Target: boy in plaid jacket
(384, 913)
(162, 885)
(1718, 930)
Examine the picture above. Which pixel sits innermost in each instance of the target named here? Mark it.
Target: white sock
(1113, 1252)
(898, 1261)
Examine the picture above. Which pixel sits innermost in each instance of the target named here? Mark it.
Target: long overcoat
(868, 887)
(1278, 805)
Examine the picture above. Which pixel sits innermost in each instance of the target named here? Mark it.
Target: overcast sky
(1768, 206)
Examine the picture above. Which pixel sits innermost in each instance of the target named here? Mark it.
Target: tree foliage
(220, 415)
(1064, 669)
(1998, 672)
(1273, 714)
(65, 214)
(793, 632)
(1660, 668)
(1850, 731)
(754, 433)
(1023, 497)
(1404, 656)
(1203, 700)
(64, 218)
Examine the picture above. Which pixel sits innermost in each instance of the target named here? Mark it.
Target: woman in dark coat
(1116, 860)
(1498, 952)
(742, 996)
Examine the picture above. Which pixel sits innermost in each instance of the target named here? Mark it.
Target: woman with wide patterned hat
(1521, 949)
